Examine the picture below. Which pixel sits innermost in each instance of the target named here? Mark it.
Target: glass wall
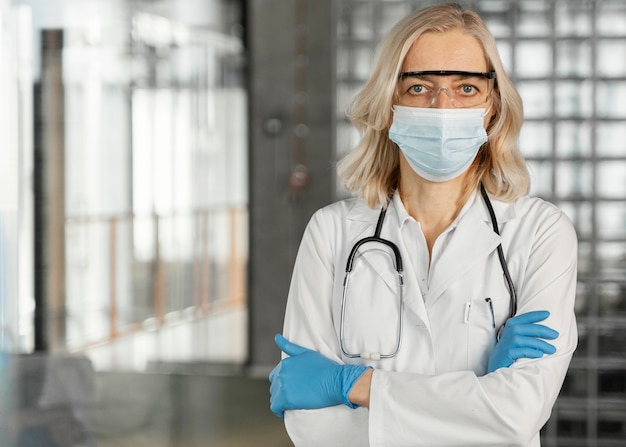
(126, 132)
(568, 59)
(151, 167)
(156, 232)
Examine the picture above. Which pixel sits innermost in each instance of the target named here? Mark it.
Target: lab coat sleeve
(509, 406)
(309, 322)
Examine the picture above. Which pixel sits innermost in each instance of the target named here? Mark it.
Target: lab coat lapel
(364, 224)
(472, 241)
(412, 298)
(362, 220)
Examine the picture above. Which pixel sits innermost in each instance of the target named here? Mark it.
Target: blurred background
(161, 158)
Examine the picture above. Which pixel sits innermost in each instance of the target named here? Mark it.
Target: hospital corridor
(161, 160)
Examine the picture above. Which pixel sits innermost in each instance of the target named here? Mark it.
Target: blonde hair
(372, 170)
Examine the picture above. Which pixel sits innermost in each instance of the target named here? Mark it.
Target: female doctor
(436, 307)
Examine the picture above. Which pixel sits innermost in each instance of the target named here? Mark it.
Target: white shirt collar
(402, 214)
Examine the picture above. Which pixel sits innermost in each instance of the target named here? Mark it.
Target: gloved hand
(521, 338)
(308, 380)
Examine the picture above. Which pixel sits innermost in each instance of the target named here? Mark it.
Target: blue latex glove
(521, 338)
(308, 380)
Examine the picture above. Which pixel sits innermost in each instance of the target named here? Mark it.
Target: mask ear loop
(487, 109)
(490, 97)
(395, 99)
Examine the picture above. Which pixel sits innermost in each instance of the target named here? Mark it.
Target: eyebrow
(427, 73)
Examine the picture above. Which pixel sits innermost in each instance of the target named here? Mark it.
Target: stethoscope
(398, 268)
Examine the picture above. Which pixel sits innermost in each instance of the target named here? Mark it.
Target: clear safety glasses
(465, 89)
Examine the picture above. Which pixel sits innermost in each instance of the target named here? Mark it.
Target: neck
(433, 205)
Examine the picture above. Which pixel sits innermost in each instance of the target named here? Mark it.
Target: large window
(147, 261)
(168, 256)
(568, 60)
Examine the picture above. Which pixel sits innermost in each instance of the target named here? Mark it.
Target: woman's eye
(417, 89)
(468, 89)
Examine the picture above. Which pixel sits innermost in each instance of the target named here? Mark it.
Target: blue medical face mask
(439, 144)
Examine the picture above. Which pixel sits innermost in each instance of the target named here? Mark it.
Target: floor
(172, 410)
(63, 401)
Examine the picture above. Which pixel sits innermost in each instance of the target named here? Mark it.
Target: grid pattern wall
(568, 60)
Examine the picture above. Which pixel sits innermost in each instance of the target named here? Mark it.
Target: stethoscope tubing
(503, 263)
(349, 266)
(371, 355)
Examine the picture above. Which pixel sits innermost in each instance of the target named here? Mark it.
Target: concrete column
(291, 148)
(49, 187)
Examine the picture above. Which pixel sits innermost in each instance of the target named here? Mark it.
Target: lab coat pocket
(483, 317)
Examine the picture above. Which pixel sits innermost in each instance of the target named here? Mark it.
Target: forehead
(450, 50)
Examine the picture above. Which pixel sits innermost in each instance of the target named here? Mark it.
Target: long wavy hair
(372, 169)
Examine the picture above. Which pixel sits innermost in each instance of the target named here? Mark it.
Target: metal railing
(128, 273)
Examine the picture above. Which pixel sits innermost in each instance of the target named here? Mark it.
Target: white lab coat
(436, 392)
